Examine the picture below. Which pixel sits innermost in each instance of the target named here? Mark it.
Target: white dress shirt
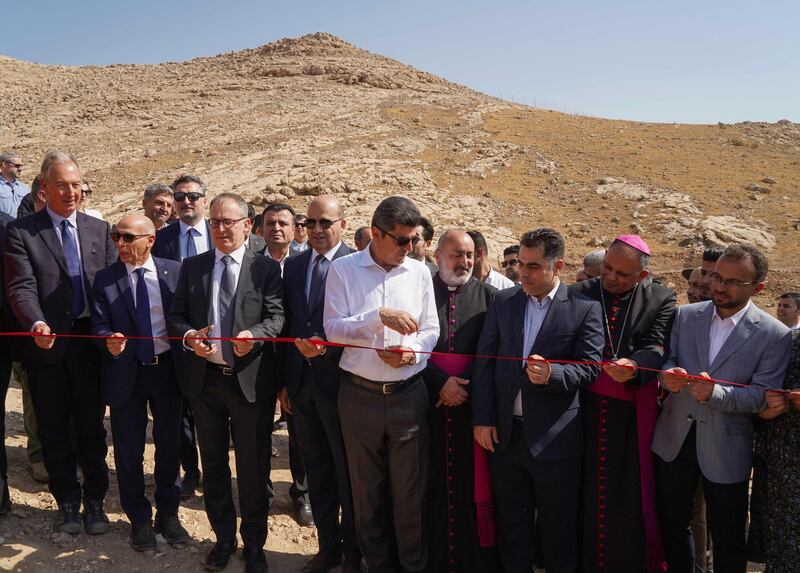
(499, 281)
(200, 236)
(535, 312)
(158, 322)
(721, 329)
(313, 258)
(357, 287)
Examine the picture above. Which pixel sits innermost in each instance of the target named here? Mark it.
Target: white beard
(452, 279)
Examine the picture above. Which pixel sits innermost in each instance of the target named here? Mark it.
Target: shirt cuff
(35, 324)
(188, 333)
(373, 320)
(717, 395)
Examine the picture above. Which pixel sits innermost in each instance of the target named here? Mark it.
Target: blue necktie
(146, 349)
(191, 248)
(74, 267)
(227, 292)
(318, 273)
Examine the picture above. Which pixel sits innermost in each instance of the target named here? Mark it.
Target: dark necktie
(145, 350)
(227, 293)
(74, 267)
(191, 248)
(318, 273)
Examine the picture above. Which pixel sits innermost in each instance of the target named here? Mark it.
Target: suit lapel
(242, 286)
(50, 239)
(124, 286)
(553, 313)
(744, 330)
(166, 294)
(207, 271)
(702, 333)
(208, 236)
(517, 309)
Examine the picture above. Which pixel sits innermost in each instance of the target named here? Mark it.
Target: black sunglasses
(181, 195)
(401, 241)
(127, 237)
(324, 223)
(303, 224)
(512, 262)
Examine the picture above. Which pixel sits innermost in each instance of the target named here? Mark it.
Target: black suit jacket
(572, 330)
(168, 246)
(5, 219)
(38, 285)
(646, 333)
(258, 308)
(304, 320)
(113, 310)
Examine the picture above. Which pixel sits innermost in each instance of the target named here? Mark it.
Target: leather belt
(224, 370)
(158, 359)
(384, 388)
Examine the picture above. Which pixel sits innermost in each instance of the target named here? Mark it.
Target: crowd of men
(463, 419)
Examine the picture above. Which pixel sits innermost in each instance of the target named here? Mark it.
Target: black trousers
(5, 378)
(386, 440)
(155, 386)
(190, 461)
(319, 436)
(221, 412)
(676, 482)
(524, 487)
(71, 389)
(298, 491)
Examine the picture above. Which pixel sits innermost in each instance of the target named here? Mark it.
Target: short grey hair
(156, 190)
(8, 156)
(56, 156)
(594, 258)
(238, 199)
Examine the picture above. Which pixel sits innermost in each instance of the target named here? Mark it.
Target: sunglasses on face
(17, 165)
(192, 196)
(511, 262)
(324, 223)
(401, 241)
(127, 237)
(301, 225)
(225, 223)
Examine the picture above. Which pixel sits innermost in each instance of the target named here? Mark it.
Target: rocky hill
(305, 116)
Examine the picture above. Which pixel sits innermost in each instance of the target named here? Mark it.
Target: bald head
(139, 224)
(455, 256)
(328, 203)
(325, 223)
(134, 236)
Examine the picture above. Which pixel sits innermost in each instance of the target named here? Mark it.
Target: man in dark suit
(190, 236)
(230, 292)
(5, 377)
(527, 412)
(51, 259)
(312, 387)
(131, 298)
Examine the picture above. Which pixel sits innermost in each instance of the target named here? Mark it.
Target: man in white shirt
(381, 299)
(483, 268)
(705, 429)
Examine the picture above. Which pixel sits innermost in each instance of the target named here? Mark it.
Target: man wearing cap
(620, 413)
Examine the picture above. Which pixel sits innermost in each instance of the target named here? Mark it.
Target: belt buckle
(228, 371)
(384, 387)
(154, 362)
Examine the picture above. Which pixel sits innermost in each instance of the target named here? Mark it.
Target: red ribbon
(290, 340)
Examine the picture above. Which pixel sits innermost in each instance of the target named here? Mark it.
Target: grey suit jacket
(756, 353)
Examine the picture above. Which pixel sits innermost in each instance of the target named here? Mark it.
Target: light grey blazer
(756, 353)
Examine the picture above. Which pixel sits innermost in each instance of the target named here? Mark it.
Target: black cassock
(620, 529)
(451, 509)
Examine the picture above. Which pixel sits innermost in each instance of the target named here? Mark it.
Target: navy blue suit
(313, 388)
(537, 462)
(129, 387)
(168, 246)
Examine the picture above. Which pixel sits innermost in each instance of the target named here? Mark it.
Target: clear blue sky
(699, 61)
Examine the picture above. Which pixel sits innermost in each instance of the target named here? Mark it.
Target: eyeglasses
(86, 191)
(226, 223)
(181, 195)
(127, 237)
(17, 165)
(324, 223)
(511, 262)
(304, 224)
(716, 278)
(401, 241)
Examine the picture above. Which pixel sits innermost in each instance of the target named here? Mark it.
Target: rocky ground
(301, 117)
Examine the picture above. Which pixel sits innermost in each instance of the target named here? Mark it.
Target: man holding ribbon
(724, 355)
(620, 526)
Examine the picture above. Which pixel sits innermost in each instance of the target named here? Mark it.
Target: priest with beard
(620, 528)
(460, 509)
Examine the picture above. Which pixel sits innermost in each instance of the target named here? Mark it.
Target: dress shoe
(303, 513)
(95, 520)
(170, 527)
(322, 562)
(143, 538)
(217, 559)
(39, 472)
(68, 520)
(254, 560)
(189, 484)
(352, 564)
